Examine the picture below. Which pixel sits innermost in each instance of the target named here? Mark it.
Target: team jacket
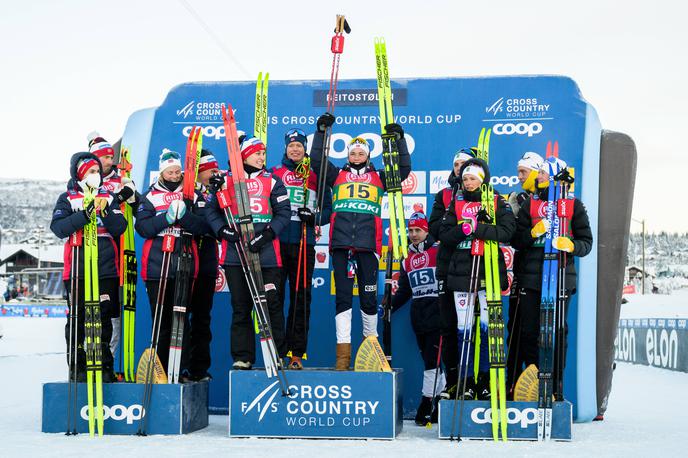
(208, 253)
(113, 183)
(418, 282)
(439, 207)
(269, 206)
(68, 218)
(356, 221)
(528, 270)
(294, 186)
(152, 225)
(467, 203)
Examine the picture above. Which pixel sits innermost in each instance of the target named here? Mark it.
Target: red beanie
(83, 166)
(418, 219)
(251, 145)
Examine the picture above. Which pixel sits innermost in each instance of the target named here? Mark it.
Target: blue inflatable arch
(440, 116)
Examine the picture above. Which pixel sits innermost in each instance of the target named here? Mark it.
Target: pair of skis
(553, 295)
(127, 278)
(495, 323)
(237, 210)
(92, 325)
(260, 115)
(390, 154)
(337, 48)
(185, 260)
(303, 171)
(495, 316)
(184, 275)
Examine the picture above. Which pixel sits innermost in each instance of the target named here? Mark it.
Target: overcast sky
(69, 67)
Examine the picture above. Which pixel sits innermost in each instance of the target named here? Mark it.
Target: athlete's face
(457, 166)
(204, 176)
(543, 177)
(417, 235)
(172, 174)
(523, 173)
(357, 156)
(256, 160)
(296, 151)
(471, 182)
(106, 162)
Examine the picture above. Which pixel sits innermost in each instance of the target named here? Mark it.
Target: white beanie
(532, 161)
(169, 158)
(358, 142)
(475, 170)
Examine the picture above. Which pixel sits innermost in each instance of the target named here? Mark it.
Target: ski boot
(483, 386)
(469, 391)
(295, 363)
(241, 365)
(424, 411)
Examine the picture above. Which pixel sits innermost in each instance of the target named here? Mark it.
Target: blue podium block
(322, 404)
(174, 409)
(521, 420)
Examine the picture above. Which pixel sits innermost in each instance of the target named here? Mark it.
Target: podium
(174, 409)
(322, 404)
(521, 420)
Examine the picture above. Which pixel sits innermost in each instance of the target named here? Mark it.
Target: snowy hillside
(34, 348)
(25, 205)
(666, 259)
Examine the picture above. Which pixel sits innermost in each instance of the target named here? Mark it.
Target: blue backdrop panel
(440, 116)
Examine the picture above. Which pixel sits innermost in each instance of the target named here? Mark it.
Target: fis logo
(186, 110)
(496, 107)
(263, 407)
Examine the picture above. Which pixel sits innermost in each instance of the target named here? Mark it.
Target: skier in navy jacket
(162, 213)
(356, 229)
(291, 171)
(270, 213)
(70, 217)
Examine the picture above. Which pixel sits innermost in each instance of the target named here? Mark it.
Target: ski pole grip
(477, 247)
(76, 238)
(337, 44)
(223, 198)
(168, 243)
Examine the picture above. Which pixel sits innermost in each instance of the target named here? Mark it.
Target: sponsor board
(320, 404)
(476, 420)
(411, 204)
(438, 180)
(34, 311)
(415, 183)
(322, 257)
(661, 342)
(174, 409)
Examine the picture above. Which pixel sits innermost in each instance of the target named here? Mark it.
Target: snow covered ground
(673, 305)
(32, 352)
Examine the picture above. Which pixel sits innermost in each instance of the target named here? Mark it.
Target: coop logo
(118, 412)
(514, 416)
(520, 128)
(505, 180)
(186, 110)
(317, 282)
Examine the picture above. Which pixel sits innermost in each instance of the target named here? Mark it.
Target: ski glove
(229, 234)
(175, 211)
(563, 244)
(306, 216)
(215, 184)
(262, 239)
(540, 228)
(89, 210)
(483, 217)
(395, 129)
(324, 121)
(101, 205)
